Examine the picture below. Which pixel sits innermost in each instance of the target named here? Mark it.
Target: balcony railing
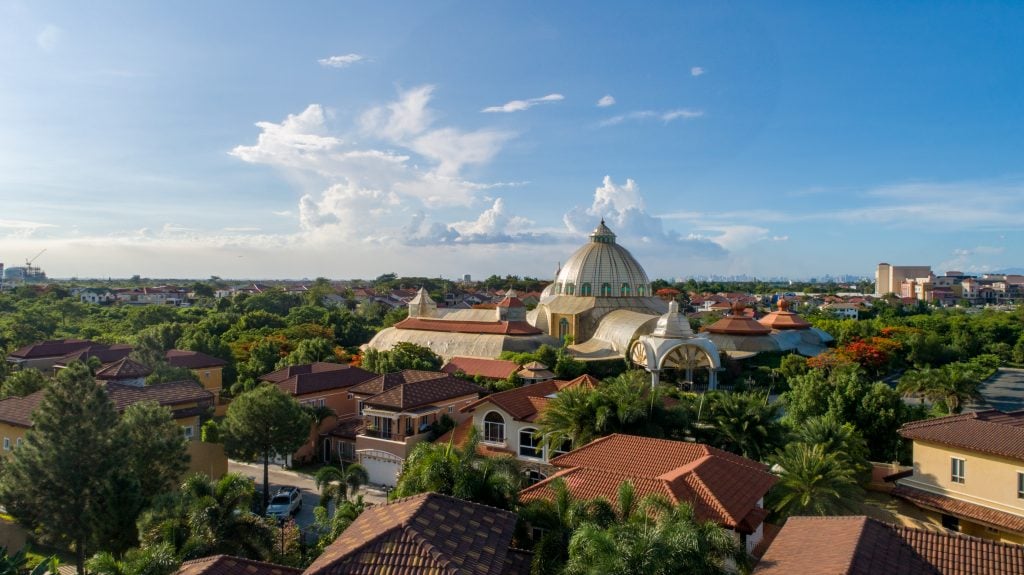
(380, 434)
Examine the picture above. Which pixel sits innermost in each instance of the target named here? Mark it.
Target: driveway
(1003, 391)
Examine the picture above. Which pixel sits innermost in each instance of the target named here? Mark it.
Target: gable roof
(317, 377)
(386, 381)
(50, 348)
(721, 486)
(424, 534)
(18, 410)
(525, 403)
(478, 327)
(104, 353)
(424, 392)
(228, 565)
(863, 546)
(990, 431)
(124, 368)
(489, 368)
(192, 359)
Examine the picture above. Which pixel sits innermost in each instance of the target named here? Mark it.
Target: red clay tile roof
(480, 327)
(426, 392)
(511, 302)
(420, 535)
(864, 546)
(738, 323)
(489, 368)
(990, 431)
(721, 486)
(102, 352)
(121, 369)
(193, 359)
(228, 565)
(784, 319)
(951, 506)
(525, 403)
(51, 348)
(18, 410)
(386, 381)
(317, 377)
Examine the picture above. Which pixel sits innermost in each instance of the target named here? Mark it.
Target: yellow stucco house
(968, 473)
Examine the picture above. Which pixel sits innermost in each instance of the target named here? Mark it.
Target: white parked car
(285, 503)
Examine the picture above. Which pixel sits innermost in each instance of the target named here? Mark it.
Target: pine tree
(67, 481)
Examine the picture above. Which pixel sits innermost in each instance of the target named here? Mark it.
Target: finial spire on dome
(602, 234)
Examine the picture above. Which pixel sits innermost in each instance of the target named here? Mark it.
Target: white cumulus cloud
(605, 101)
(520, 105)
(342, 61)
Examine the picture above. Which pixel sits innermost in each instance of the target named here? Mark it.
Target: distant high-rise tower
(889, 277)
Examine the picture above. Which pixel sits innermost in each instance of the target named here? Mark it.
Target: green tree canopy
(22, 382)
(404, 355)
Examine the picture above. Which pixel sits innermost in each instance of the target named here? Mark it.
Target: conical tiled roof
(738, 323)
(784, 319)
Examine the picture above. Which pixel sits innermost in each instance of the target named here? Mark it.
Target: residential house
(969, 473)
(479, 367)
(506, 423)
(861, 545)
(721, 487)
(208, 369)
(189, 404)
(45, 354)
(95, 295)
(398, 410)
(843, 310)
(426, 534)
(321, 385)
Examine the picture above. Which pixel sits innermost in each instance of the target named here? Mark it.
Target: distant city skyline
(797, 139)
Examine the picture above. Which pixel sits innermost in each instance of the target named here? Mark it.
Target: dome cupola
(602, 268)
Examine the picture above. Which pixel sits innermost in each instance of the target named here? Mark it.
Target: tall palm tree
(954, 384)
(208, 518)
(554, 520)
(340, 484)
(330, 527)
(836, 437)
(813, 481)
(571, 417)
(746, 424)
(658, 539)
(461, 472)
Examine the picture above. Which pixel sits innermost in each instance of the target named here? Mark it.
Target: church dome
(602, 268)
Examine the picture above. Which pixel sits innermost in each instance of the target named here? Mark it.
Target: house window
(360, 408)
(606, 290)
(451, 409)
(494, 427)
(529, 445)
(188, 431)
(957, 469)
(585, 289)
(533, 476)
(349, 396)
(564, 448)
(7, 444)
(950, 522)
(1020, 485)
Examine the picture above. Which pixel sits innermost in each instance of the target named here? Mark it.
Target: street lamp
(280, 523)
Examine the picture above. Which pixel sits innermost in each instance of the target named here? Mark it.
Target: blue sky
(257, 139)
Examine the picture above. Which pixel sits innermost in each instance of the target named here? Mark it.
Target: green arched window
(624, 290)
(606, 290)
(563, 328)
(570, 288)
(640, 291)
(585, 289)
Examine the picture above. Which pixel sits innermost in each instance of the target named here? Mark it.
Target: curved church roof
(602, 268)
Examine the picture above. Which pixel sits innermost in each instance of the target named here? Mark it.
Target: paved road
(1003, 391)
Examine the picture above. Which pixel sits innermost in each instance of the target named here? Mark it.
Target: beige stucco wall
(11, 433)
(212, 378)
(989, 481)
(512, 429)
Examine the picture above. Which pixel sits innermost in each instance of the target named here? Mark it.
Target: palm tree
(571, 417)
(555, 519)
(658, 539)
(954, 384)
(836, 437)
(335, 483)
(813, 481)
(208, 518)
(746, 424)
(155, 560)
(461, 472)
(330, 527)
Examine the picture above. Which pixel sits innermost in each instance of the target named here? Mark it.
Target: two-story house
(321, 384)
(398, 410)
(208, 369)
(506, 424)
(722, 487)
(969, 473)
(188, 401)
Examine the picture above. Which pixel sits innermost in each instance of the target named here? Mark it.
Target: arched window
(563, 328)
(558, 288)
(606, 290)
(570, 288)
(624, 290)
(585, 289)
(494, 427)
(640, 291)
(534, 476)
(529, 444)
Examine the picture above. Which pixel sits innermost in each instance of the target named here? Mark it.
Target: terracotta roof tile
(102, 352)
(51, 348)
(18, 410)
(489, 368)
(990, 431)
(386, 381)
(480, 327)
(192, 359)
(425, 392)
(784, 319)
(228, 565)
(921, 498)
(721, 486)
(317, 377)
(526, 402)
(864, 546)
(738, 323)
(420, 535)
(124, 368)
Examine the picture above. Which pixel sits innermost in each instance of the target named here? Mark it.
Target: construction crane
(28, 262)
